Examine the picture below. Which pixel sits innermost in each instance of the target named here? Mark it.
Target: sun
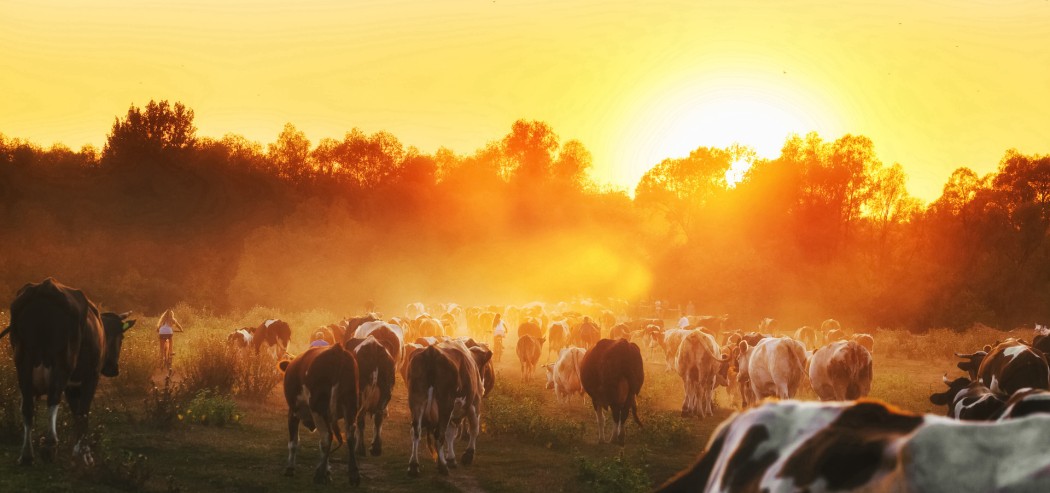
(720, 112)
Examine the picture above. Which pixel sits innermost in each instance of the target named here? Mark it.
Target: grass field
(529, 443)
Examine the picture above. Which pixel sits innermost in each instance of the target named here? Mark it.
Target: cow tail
(8, 329)
(634, 411)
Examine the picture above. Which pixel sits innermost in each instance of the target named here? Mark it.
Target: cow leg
(377, 439)
(323, 475)
(416, 432)
(360, 442)
(444, 421)
(599, 416)
(474, 426)
(451, 433)
(293, 441)
(351, 434)
(27, 423)
(79, 399)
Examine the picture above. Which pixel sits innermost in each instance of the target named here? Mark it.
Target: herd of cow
(63, 344)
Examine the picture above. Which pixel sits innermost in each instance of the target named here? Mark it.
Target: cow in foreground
(321, 388)
(375, 367)
(612, 375)
(62, 344)
(867, 446)
(840, 371)
(444, 388)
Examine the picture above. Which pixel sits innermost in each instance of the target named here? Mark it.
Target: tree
(290, 155)
(161, 132)
(530, 149)
(574, 160)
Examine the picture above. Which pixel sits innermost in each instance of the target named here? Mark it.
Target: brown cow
(320, 388)
(389, 335)
(410, 350)
(529, 349)
(612, 374)
(865, 340)
(530, 328)
(273, 333)
(557, 337)
(619, 331)
(444, 387)
(375, 367)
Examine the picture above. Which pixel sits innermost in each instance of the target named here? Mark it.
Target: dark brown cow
(488, 372)
(1013, 365)
(557, 337)
(444, 387)
(352, 324)
(973, 361)
(969, 400)
(61, 346)
(376, 382)
(320, 388)
(410, 350)
(273, 333)
(612, 375)
(585, 335)
(530, 328)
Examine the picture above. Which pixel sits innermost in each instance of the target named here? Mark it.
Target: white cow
(840, 371)
(564, 375)
(775, 367)
(699, 362)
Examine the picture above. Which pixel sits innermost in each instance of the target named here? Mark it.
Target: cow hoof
(468, 457)
(451, 463)
(443, 469)
(322, 477)
(377, 450)
(289, 471)
(413, 470)
(355, 478)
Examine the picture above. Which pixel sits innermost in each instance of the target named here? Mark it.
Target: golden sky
(936, 85)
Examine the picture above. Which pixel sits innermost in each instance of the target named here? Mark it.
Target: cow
(1013, 365)
(563, 376)
(715, 325)
(619, 331)
(969, 400)
(669, 342)
(768, 325)
(530, 327)
(866, 446)
(699, 362)
(1026, 402)
(865, 340)
(752, 338)
(557, 337)
(840, 371)
(444, 387)
(273, 333)
(375, 367)
(807, 336)
(775, 367)
(415, 310)
(973, 361)
(389, 335)
(529, 349)
(612, 375)
(62, 346)
(428, 327)
(240, 338)
(321, 388)
(652, 338)
(488, 370)
(585, 335)
(607, 319)
(831, 330)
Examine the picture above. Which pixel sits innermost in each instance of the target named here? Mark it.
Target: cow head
(954, 387)
(973, 361)
(114, 325)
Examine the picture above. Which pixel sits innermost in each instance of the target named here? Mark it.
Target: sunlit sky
(936, 85)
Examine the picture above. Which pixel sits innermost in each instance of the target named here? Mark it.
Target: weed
(613, 475)
(257, 375)
(526, 418)
(208, 408)
(163, 404)
(210, 365)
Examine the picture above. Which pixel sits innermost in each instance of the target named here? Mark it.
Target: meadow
(218, 422)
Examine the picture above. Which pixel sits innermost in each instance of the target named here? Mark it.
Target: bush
(211, 409)
(210, 365)
(257, 375)
(614, 475)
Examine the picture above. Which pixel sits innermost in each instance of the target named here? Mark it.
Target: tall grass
(209, 364)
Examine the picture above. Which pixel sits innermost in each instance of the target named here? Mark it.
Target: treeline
(161, 216)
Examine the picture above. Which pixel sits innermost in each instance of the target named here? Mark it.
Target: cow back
(54, 324)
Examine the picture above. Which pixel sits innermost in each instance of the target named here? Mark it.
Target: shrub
(614, 475)
(257, 375)
(208, 408)
(163, 404)
(209, 364)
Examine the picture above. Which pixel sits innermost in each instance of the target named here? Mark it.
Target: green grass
(530, 441)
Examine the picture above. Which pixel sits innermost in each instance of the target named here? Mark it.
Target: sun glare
(736, 171)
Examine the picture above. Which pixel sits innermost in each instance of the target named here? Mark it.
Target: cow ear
(127, 325)
(939, 399)
(987, 348)
(742, 345)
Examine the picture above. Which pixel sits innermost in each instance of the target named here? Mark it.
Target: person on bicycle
(166, 327)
